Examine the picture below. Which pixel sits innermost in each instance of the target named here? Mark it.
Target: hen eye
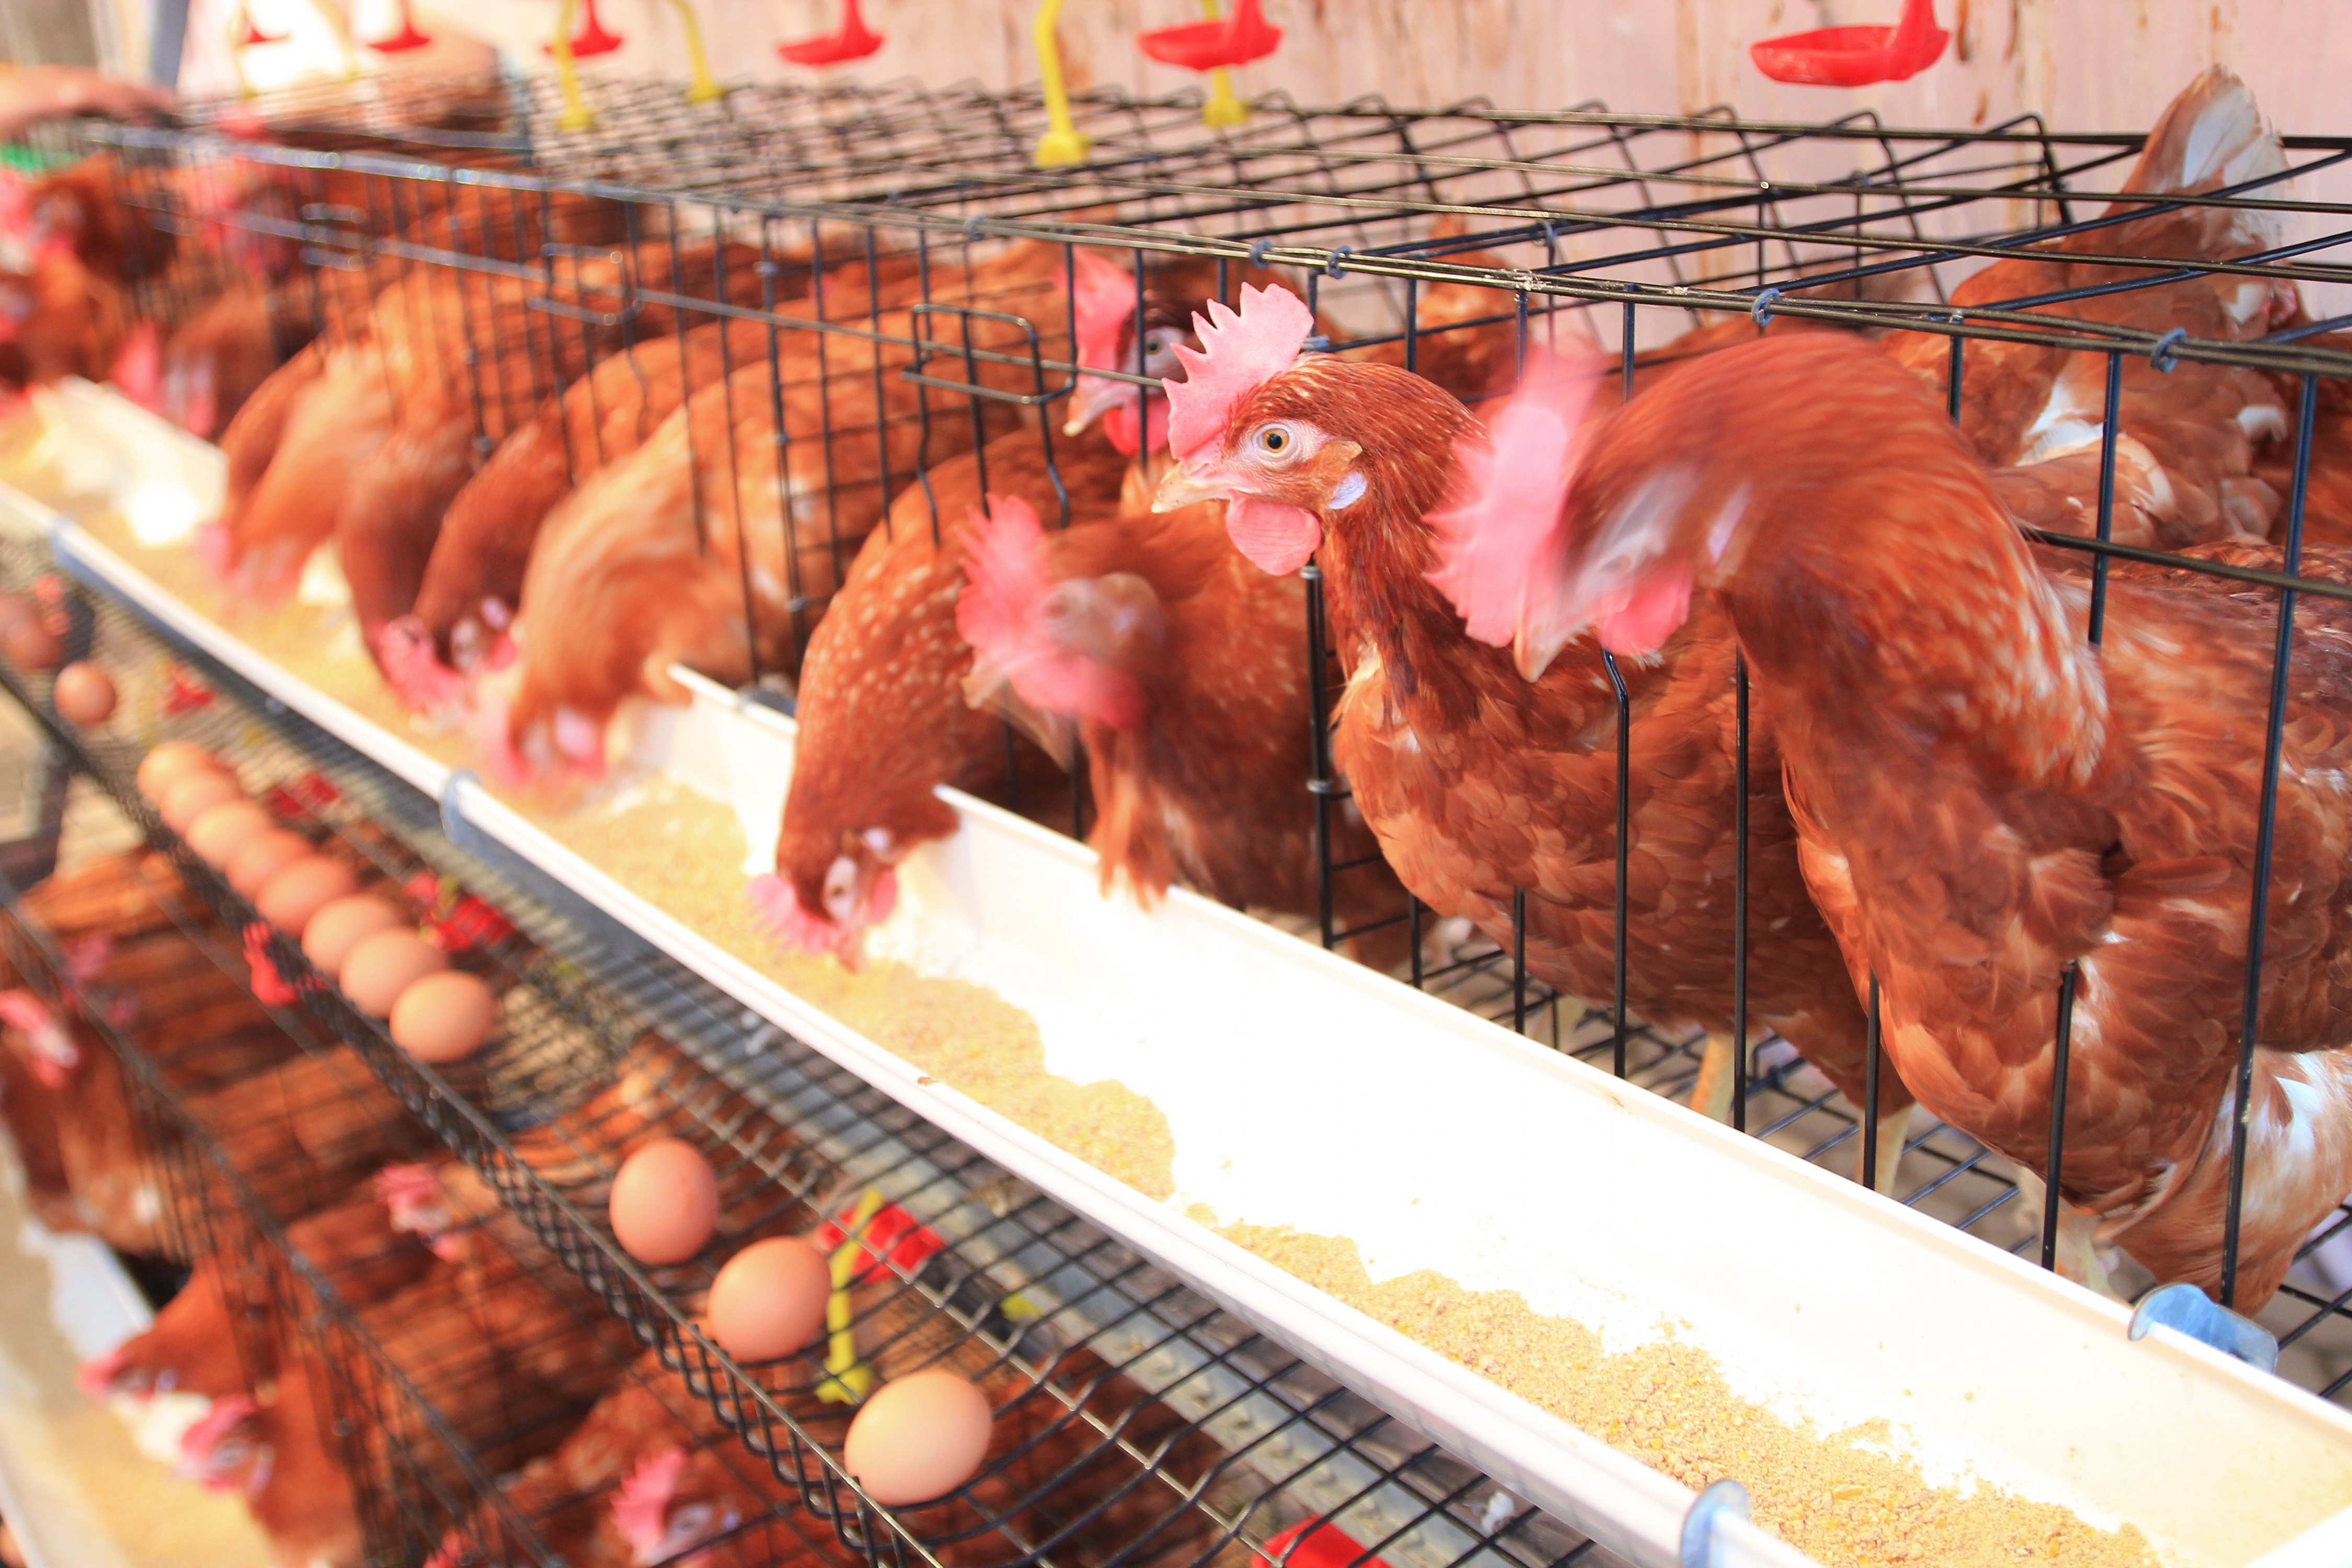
(1274, 438)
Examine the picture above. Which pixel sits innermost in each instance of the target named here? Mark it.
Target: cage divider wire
(1316, 1447)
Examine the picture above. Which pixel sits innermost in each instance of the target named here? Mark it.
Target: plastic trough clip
(1702, 1546)
(2184, 1307)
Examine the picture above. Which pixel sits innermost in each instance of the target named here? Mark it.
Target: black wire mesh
(1153, 1428)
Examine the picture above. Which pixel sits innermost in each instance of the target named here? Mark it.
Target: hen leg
(1892, 1129)
(2078, 1254)
(1710, 1093)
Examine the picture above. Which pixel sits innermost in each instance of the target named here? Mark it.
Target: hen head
(1292, 443)
(116, 1372)
(1106, 313)
(820, 903)
(43, 1035)
(415, 1204)
(669, 1507)
(1049, 652)
(524, 737)
(228, 1451)
(414, 671)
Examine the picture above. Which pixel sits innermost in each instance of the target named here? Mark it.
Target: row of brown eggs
(438, 1015)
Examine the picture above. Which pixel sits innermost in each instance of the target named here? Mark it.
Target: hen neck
(1378, 554)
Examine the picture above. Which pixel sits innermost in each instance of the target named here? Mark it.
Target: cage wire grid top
(1581, 206)
(1024, 1283)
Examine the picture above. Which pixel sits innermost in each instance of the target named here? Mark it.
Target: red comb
(494, 733)
(1241, 352)
(269, 988)
(87, 955)
(97, 1375)
(403, 651)
(1002, 614)
(215, 548)
(1498, 546)
(779, 910)
(406, 1186)
(216, 1424)
(641, 1508)
(1105, 302)
(138, 369)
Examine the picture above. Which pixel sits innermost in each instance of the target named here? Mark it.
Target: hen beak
(1095, 397)
(1187, 484)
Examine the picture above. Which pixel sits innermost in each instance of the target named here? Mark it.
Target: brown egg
(381, 964)
(166, 762)
(300, 889)
(262, 857)
(769, 1300)
(918, 1437)
(665, 1203)
(194, 793)
(30, 644)
(84, 694)
(220, 831)
(328, 940)
(445, 1017)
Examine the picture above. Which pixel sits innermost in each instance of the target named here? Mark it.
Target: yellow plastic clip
(849, 1380)
(1223, 108)
(1064, 144)
(1019, 1308)
(575, 114)
(704, 87)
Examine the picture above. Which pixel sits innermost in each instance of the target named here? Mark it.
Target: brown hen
(1480, 787)
(1987, 806)
(709, 544)
(2195, 428)
(883, 722)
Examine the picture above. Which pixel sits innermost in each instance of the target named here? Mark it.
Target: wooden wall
(2086, 64)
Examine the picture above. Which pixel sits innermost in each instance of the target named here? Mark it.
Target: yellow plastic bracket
(575, 114)
(704, 87)
(849, 1380)
(1064, 144)
(1223, 108)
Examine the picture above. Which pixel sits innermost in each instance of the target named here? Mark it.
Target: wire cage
(892, 287)
(1134, 1421)
(348, 1402)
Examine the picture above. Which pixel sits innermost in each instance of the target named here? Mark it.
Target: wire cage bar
(1154, 1427)
(895, 289)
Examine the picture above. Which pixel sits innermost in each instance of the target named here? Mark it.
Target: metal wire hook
(2160, 356)
(1762, 309)
(1259, 252)
(1331, 266)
